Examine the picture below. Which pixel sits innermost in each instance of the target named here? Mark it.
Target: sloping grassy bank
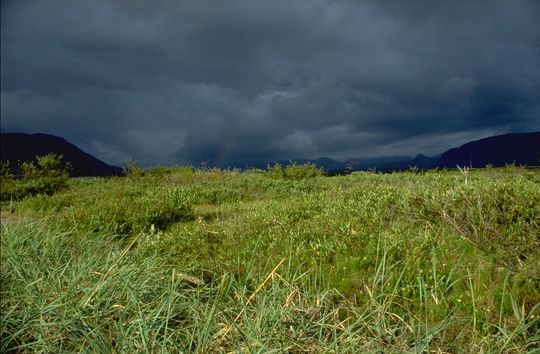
(217, 261)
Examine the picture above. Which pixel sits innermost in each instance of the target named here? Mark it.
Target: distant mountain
(422, 161)
(388, 163)
(19, 147)
(518, 148)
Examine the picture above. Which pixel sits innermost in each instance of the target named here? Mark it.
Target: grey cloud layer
(237, 81)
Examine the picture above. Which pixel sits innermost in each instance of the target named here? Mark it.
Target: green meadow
(281, 260)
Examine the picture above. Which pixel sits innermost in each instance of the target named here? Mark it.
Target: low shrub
(294, 171)
(158, 171)
(275, 171)
(133, 170)
(308, 170)
(47, 175)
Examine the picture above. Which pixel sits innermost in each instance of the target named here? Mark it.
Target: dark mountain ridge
(518, 148)
(20, 147)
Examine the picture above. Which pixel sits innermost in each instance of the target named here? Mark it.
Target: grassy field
(263, 261)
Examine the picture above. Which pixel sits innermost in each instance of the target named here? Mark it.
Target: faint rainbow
(224, 153)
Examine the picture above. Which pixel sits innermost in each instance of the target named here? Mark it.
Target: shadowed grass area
(221, 261)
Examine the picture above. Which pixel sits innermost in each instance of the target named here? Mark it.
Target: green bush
(308, 170)
(158, 171)
(133, 170)
(275, 171)
(47, 175)
(294, 171)
(5, 171)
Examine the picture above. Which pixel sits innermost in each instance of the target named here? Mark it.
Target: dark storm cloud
(228, 82)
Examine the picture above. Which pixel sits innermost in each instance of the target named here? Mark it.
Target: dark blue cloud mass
(236, 81)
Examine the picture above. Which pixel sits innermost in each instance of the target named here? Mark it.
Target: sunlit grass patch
(402, 262)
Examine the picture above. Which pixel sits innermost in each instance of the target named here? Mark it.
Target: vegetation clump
(502, 219)
(294, 171)
(47, 175)
(133, 170)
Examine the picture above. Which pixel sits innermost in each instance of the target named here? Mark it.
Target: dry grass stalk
(265, 281)
(100, 285)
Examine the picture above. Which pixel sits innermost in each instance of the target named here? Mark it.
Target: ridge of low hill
(20, 147)
(518, 148)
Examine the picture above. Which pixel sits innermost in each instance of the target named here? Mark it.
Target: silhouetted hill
(19, 147)
(518, 148)
(422, 161)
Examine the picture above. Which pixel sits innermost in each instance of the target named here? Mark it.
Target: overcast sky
(224, 81)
